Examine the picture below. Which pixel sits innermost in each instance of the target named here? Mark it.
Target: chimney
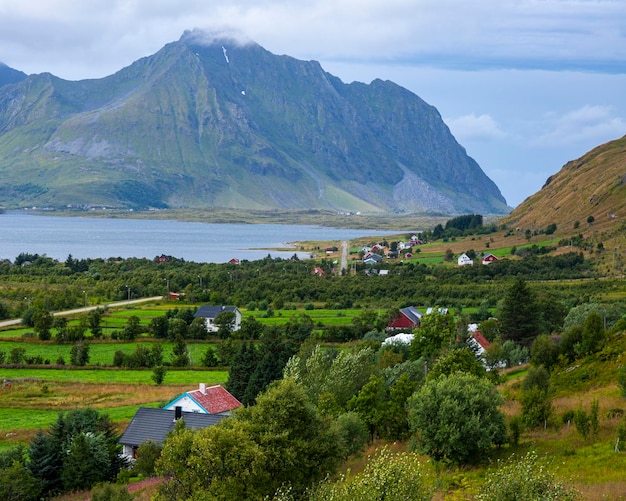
(178, 412)
(203, 388)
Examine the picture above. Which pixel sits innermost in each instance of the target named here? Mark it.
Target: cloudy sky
(524, 85)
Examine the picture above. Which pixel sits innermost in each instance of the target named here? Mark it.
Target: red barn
(408, 318)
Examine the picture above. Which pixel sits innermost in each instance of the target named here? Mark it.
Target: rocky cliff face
(218, 123)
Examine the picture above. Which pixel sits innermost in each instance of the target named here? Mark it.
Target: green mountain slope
(223, 124)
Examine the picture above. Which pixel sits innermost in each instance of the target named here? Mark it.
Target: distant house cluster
(377, 253)
(465, 260)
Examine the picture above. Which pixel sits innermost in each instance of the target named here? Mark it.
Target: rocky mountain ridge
(217, 123)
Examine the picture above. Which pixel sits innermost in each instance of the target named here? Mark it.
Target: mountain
(587, 195)
(9, 75)
(219, 123)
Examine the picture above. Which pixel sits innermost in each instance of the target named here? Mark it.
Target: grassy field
(32, 398)
(100, 352)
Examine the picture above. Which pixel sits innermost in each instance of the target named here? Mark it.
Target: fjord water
(57, 237)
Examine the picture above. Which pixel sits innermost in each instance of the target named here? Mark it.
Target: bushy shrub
(387, 476)
(525, 479)
(111, 492)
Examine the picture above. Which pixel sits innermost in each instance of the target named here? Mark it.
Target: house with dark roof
(209, 313)
(408, 318)
(206, 400)
(155, 424)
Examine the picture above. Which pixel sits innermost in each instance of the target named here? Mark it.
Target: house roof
(155, 424)
(213, 399)
(412, 314)
(211, 311)
(478, 336)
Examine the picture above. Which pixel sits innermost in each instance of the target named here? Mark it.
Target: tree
(147, 455)
(17, 483)
(519, 314)
(436, 331)
(281, 441)
(299, 447)
(219, 462)
(244, 364)
(158, 327)
(457, 360)
(79, 354)
(368, 404)
(353, 432)
(87, 461)
(132, 329)
(180, 353)
(94, 320)
(79, 449)
(250, 328)
(225, 323)
(536, 397)
(158, 374)
(209, 359)
(177, 327)
(197, 329)
(544, 351)
(456, 418)
(42, 323)
(593, 334)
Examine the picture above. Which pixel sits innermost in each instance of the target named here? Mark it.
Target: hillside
(586, 196)
(592, 185)
(218, 123)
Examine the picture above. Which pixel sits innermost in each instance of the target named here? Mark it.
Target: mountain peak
(198, 37)
(215, 120)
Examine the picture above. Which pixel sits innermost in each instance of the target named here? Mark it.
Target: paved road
(18, 321)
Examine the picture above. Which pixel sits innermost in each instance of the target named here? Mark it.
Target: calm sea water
(58, 237)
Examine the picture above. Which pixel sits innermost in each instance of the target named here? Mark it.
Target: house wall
(187, 404)
(128, 452)
(402, 322)
(211, 327)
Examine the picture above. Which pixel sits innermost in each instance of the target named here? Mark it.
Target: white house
(206, 400)
(465, 260)
(210, 313)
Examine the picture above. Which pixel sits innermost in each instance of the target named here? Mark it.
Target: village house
(488, 259)
(408, 318)
(209, 313)
(464, 260)
(156, 424)
(206, 400)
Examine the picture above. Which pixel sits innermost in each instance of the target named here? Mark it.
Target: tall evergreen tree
(519, 313)
(243, 366)
(273, 356)
(180, 353)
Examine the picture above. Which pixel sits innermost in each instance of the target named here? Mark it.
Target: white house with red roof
(481, 342)
(206, 400)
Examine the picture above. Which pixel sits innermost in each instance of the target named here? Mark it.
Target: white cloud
(590, 124)
(475, 128)
(90, 38)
